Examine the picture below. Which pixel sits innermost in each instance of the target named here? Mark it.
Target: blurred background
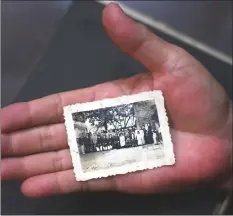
(63, 43)
(207, 21)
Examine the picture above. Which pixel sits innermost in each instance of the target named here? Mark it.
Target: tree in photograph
(146, 112)
(118, 117)
(97, 118)
(78, 117)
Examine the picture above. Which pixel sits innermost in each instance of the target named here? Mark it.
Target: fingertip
(112, 12)
(25, 189)
(32, 187)
(114, 18)
(122, 30)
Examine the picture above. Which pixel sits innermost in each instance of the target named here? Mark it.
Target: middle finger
(32, 165)
(34, 140)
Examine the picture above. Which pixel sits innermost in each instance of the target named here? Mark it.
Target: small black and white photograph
(118, 135)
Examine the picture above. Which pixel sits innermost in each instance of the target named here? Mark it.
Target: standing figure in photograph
(127, 139)
(133, 138)
(159, 136)
(140, 137)
(149, 134)
(102, 141)
(81, 144)
(110, 142)
(116, 141)
(155, 137)
(144, 134)
(103, 144)
(122, 140)
(94, 141)
(80, 129)
(107, 141)
(98, 143)
(90, 143)
(86, 142)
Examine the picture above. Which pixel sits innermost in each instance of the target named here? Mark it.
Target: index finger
(49, 109)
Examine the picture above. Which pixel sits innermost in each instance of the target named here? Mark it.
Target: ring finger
(24, 167)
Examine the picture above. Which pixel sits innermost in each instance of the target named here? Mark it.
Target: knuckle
(179, 63)
(58, 104)
(177, 50)
(57, 161)
(30, 113)
(45, 134)
(26, 172)
(58, 183)
(7, 144)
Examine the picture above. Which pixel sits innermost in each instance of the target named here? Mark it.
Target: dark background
(79, 55)
(207, 21)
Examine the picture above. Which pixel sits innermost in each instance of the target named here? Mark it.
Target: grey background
(207, 21)
(75, 53)
(27, 28)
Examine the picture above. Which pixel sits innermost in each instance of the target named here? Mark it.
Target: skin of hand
(34, 142)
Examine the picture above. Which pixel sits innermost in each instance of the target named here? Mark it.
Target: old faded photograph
(117, 135)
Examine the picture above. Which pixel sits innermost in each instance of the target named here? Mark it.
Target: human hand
(34, 141)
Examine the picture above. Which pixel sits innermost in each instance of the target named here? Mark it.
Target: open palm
(34, 141)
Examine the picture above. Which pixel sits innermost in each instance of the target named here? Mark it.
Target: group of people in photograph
(119, 138)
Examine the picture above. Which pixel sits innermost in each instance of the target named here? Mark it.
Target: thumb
(191, 92)
(135, 39)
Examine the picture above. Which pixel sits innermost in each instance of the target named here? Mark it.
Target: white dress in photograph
(155, 137)
(140, 137)
(122, 141)
(157, 128)
(82, 149)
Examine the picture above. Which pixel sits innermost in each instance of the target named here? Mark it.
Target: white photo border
(157, 96)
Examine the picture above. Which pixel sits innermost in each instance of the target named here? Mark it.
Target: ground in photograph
(118, 157)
